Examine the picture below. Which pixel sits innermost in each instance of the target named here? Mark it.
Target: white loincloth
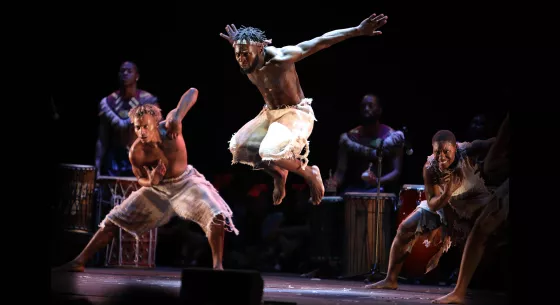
(190, 196)
(264, 139)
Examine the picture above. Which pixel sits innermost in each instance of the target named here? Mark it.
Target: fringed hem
(438, 235)
(136, 235)
(227, 223)
(233, 150)
(289, 152)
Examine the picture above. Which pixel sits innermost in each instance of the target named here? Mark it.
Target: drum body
(125, 250)
(361, 228)
(414, 267)
(410, 197)
(327, 231)
(76, 197)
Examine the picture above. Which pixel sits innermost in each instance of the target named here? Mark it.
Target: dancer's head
(444, 147)
(145, 119)
(248, 44)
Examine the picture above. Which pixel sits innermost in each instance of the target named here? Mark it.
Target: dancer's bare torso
(277, 81)
(172, 151)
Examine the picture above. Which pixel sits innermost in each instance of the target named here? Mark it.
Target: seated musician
(357, 150)
(116, 132)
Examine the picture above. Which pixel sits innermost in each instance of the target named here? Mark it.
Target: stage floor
(101, 285)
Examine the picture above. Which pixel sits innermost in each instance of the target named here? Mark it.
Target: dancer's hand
(450, 183)
(157, 173)
(231, 31)
(371, 24)
(171, 129)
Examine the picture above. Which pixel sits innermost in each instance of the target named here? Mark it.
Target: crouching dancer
(170, 186)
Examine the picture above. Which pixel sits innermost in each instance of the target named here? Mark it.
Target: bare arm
(394, 175)
(394, 142)
(348, 144)
(436, 199)
(175, 117)
(142, 176)
(306, 48)
(146, 177)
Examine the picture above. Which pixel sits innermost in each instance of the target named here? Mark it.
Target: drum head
(369, 195)
(332, 199)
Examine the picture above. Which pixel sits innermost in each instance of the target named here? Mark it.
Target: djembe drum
(125, 250)
(361, 226)
(75, 204)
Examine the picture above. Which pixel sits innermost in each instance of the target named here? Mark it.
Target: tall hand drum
(125, 250)
(361, 228)
(75, 193)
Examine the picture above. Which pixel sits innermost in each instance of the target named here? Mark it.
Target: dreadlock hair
(142, 110)
(444, 136)
(250, 34)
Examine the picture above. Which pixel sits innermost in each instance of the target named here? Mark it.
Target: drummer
(357, 152)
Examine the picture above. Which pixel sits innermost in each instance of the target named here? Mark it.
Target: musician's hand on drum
(369, 177)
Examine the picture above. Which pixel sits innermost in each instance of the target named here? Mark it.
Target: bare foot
(220, 267)
(451, 298)
(279, 187)
(316, 185)
(383, 284)
(72, 266)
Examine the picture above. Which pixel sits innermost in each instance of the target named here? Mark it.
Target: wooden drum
(76, 200)
(361, 226)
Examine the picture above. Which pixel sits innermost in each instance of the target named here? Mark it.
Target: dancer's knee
(218, 221)
(482, 230)
(109, 228)
(408, 227)
(405, 233)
